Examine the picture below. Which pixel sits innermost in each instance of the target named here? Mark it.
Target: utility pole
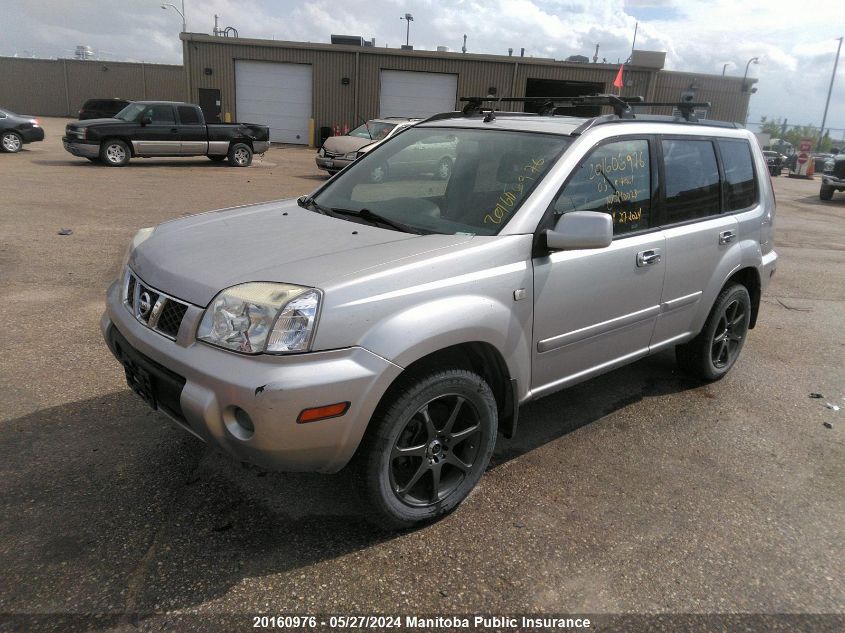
(829, 92)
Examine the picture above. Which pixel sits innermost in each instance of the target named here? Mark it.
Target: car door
(192, 131)
(702, 243)
(596, 308)
(159, 137)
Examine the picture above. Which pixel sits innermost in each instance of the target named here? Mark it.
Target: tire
(240, 155)
(444, 169)
(401, 490)
(826, 193)
(114, 153)
(217, 158)
(711, 354)
(379, 173)
(11, 142)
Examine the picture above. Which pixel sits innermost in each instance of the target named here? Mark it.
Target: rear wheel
(11, 142)
(826, 193)
(711, 354)
(240, 155)
(114, 153)
(428, 447)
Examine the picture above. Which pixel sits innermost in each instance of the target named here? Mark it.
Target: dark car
(774, 161)
(164, 128)
(101, 108)
(833, 178)
(17, 129)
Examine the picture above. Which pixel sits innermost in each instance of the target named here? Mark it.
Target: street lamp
(753, 60)
(725, 67)
(181, 13)
(829, 91)
(408, 19)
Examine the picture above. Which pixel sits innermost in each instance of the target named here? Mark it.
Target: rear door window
(162, 114)
(692, 180)
(188, 115)
(740, 184)
(614, 179)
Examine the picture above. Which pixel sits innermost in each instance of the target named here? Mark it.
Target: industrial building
(301, 89)
(297, 88)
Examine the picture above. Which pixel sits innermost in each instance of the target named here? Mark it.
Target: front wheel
(826, 193)
(11, 142)
(240, 155)
(428, 447)
(114, 153)
(711, 354)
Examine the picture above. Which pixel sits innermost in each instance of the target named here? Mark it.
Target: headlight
(321, 152)
(140, 237)
(262, 317)
(350, 156)
(828, 164)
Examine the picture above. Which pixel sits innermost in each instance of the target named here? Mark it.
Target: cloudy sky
(795, 41)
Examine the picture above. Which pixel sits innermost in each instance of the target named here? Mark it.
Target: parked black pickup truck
(164, 128)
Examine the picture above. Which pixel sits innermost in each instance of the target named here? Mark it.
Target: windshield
(373, 129)
(131, 113)
(446, 180)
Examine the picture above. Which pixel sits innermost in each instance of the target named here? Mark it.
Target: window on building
(615, 179)
(740, 186)
(692, 180)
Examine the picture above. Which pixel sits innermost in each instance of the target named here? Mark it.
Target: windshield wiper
(307, 202)
(375, 218)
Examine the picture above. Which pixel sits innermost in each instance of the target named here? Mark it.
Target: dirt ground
(638, 492)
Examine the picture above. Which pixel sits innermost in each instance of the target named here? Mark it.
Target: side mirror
(146, 119)
(581, 229)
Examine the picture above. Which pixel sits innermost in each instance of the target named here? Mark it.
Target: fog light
(323, 413)
(244, 421)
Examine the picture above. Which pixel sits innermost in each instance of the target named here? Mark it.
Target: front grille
(158, 311)
(171, 318)
(839, 168)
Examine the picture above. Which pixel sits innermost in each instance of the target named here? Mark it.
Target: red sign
(805, 145)
(802, 158)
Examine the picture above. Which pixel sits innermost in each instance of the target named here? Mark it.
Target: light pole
(753, 60)
(724, 68)
(408, 19)
(181, 13)
(829, 91)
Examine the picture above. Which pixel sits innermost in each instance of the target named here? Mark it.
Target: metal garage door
(415, 94)
(277, 95)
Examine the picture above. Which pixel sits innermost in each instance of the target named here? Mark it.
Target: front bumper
(32, 135)
(829, 180)
(85, 150)
(273, 390)
(331, 165)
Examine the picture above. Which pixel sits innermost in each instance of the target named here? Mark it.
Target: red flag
(618, 81)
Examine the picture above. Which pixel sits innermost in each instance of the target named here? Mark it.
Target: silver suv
(395, 327)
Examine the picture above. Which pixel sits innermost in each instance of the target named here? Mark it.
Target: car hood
(89, 122)
(195, 257)
(344, 144)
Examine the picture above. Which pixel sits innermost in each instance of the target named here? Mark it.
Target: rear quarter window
(188, 115)
(740, 184)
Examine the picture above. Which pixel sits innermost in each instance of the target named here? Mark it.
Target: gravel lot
(638, 492)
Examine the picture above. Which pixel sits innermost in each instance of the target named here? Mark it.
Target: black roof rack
(622, 106)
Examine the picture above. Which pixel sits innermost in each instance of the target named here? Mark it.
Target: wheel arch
(479, 357)
(750, 278)
(124, 139)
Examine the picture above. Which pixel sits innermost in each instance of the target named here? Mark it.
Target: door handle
(649, 257)
(726, 236)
